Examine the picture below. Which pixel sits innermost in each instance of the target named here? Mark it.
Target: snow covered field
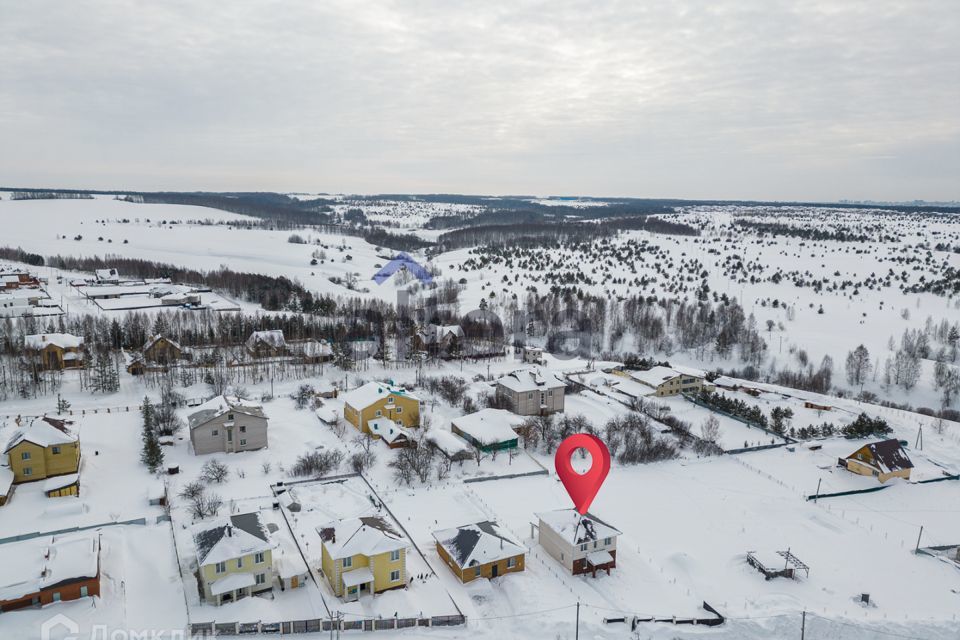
(687, 523)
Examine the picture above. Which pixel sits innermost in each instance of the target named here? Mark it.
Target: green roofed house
(489, 429)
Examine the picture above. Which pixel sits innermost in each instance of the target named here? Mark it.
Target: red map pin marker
(582, 488)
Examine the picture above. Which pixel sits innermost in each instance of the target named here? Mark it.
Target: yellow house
(378, 400)
(44, 449)
(882, 460)
(363, 555)
(481, 550)
(55, 351)
(668, 382)
(234, 557)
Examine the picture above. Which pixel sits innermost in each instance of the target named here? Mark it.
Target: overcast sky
(763, 99)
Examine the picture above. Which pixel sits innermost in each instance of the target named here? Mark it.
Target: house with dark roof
(581, 543)
(882, 460)
(266, 344)
(227, 424)
(363, 556)
(480, 550)
(162, 350)
(234, 556)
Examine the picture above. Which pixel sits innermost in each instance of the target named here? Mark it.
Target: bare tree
(214, 471)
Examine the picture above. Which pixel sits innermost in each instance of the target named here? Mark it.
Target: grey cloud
(728, 99)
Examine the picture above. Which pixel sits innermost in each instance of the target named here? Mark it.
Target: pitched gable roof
(477, 544)
(366, 535)
(576, 528)
(231, 537)
(219, 405)
(43, 432)
(887, 455)
(363, 396)
(530, 380)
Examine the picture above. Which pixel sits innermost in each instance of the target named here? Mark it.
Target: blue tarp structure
(403, 261)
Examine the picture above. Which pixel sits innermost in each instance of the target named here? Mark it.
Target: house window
(25, 455)
(530, 396)
(243, 442)
(511, 563)
(243, 429)
(215, 432)
(583, 547)
(56, 596)
(239, 563)
(395, 576)
(347, 563)
(394, 555)
(258, 558)
(476, 571)
(399, 409)
(261, 578)
(562, 557)
(221, 567)
(550, 392)
(606, 542)
(230, 416)
(56, 450)
(83, 591)
(28, 471)
(594, 544)
(379, 413)
(390, 400)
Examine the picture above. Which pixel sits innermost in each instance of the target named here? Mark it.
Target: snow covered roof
(888, 455)
(355, 577)
(326, 414)
(230, 537)
(631, 388)
(654, 377)
(489, 426)
(219, 405)
(366, 535)
(34, 565)
(388, 429)
(365, 395)
(43, 432)
(273, 338)
(530, 380)
(477, 544)
(232, 582)
(433, 333)
(157, 338)
(575, 528)
(597, 558)
(59, 482)
(314, 348)
(62, 340)
(448, 442)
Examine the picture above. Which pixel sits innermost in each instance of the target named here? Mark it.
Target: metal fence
(38, 534)
(316, 625)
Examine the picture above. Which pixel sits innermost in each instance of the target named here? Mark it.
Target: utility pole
(816, 497)
(577, 634)
(917, 550)
(919, 444)
(803, 625)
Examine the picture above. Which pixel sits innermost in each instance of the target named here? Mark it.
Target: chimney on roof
(328, 534)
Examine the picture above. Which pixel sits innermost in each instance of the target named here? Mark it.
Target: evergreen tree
(152, 454)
